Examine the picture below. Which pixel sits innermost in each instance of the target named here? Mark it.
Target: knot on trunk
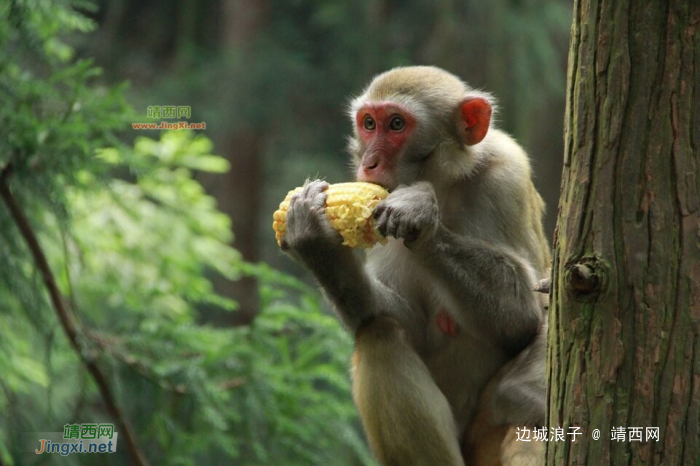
(585, 278)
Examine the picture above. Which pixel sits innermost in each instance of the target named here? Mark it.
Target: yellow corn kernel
(349, 207)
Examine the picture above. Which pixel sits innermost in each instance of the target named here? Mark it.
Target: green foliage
(133, 239)
(53, 120)
(160, 226)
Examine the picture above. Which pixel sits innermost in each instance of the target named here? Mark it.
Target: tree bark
(624, 343)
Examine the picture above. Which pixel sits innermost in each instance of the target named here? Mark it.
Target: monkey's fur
(467, 243)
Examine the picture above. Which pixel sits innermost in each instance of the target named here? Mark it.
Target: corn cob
(349, 207)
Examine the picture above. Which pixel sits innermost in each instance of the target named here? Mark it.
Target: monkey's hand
(409, 212)
(309, 232)
(311, 239)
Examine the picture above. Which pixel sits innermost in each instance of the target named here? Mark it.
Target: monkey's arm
(489, 279)
(312, 241)
(358, 297)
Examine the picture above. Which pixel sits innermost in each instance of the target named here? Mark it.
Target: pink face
(384, 128)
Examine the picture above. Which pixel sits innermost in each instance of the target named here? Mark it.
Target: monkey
(449, 336)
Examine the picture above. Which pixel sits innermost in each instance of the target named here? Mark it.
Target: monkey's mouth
(388, 186)
(378, 180)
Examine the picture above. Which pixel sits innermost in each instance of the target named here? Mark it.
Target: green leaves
(181, 149)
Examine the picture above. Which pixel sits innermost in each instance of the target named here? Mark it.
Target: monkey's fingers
(543, 286)
(315, 193)
(384, 220)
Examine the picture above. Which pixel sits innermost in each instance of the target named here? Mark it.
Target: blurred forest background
(216, 348)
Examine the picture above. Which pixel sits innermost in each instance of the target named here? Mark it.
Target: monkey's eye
(368, 123)
(397, 123)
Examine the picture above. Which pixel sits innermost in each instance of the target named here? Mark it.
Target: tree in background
(624, 347)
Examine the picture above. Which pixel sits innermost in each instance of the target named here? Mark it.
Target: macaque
(449, 336)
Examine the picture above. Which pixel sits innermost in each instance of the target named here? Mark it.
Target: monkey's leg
(407, 419)
(515, 452)
(515, 397)
(487, 444)
(483, 440)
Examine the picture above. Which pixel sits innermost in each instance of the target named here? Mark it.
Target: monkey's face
(401, 142)
(383, 129)
(417, 123)
(387, 150)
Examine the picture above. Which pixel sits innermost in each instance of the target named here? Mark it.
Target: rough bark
(625, 314)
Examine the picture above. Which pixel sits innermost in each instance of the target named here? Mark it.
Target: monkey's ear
(473, 118)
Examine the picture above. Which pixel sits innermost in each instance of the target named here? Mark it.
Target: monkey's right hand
(410, 213)
(309, 232)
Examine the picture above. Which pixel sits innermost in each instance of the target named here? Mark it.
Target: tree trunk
(624, 344)
(245, 21)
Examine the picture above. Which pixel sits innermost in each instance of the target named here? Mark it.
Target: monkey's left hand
(409, 212)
